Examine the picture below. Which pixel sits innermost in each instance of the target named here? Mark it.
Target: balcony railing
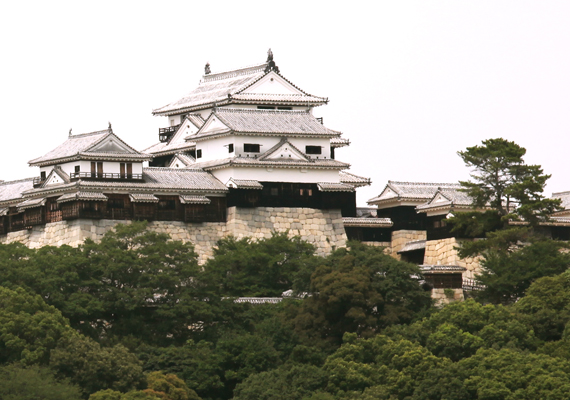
(104, 175)
(38, 181)
(164, 134)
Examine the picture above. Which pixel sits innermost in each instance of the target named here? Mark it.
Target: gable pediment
(388, 193)
(55, 177)
(284, 151)
(272, 83)
(111, 144)
(213, 124)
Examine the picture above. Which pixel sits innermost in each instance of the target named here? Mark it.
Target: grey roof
(413, 246)
(79, 146)
(187, 199)
(334, 187)
(410, 191)
(31, 203)
(11, 191)
(441, 268)
(227, 87)
(185, 159)
(90, 196)
(565, 197)
(367, 222)
(143, 198)
(155, 179)
(447, 197)
(253, 162)
(284, 141)
(339, 142)
(244, 184)
(354, 180)
(163, 148)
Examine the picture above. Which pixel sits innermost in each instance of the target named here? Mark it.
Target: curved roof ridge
(425, 184)
(251, 69)
(79, 135)
(16, 181)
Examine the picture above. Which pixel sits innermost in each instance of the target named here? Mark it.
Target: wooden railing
(164, 134)
(104, 175)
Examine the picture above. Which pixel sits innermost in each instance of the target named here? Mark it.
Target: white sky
(410, 82)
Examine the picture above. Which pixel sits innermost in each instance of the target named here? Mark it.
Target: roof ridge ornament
(70, 131)
(207, 70)
(271, 66)
(110, 128)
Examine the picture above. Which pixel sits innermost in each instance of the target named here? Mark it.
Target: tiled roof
(413, 245)
(339, 142)
(227, 87)
(367, 222)
(253, 162)
(187, 199)
(163, 148)
(334, 187)
(78, 146)
(4, 211)
(31, 203)
(272, 122)
(441, 268)
(565, 197)
(11, 191)
(354, 180)
(88, 196)
(412, 191)
(447, 197)
(143, 198)
(186, 160)
(284, 142)
(244, 184)
(215, 88)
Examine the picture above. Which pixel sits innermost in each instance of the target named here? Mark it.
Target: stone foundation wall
(400, 238)
(444, 252)
(441, 298)
(322, 228)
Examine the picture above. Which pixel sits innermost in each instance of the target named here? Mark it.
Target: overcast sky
(410, 82)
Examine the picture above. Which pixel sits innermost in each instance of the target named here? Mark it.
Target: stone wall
(444, 252)
(322, 228)
(400, 238)
(442, 297)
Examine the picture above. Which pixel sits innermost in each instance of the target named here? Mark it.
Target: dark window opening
(116, 203)
(43, 175)
(230, 148)
(313, 149)
(265, 108)
(199, 153)
(251, 148)
(167, 205)
(284, 108)
(77, 169)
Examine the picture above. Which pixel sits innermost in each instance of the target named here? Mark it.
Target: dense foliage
(135, 317)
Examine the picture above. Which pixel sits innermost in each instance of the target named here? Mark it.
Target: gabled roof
(244, 184)
(445, 199)
(100, 145)
(228, 87)
(56, 176)
(178, 142)
(254, 162)
(408, 193)
(284, 151)
(354, 180)
(181, 160)
(265, 122)
(11, 191)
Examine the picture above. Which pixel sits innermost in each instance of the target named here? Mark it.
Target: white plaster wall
(277, 175)
(216, 148)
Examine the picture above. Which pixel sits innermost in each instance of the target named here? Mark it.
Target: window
(77, 169)
(230, 148)
(274, 192)
(251, 148)
(265, 108)
(284, 108)
(43, 175)
(313, 149)
(199, 153)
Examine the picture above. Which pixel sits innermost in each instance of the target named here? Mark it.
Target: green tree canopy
(34, 383)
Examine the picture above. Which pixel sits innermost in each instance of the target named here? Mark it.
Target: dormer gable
(213, 124)
(284, 151)
(110, 143)
(272, 83)
(56, 177)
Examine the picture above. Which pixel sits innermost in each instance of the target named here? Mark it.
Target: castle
(242, 154)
